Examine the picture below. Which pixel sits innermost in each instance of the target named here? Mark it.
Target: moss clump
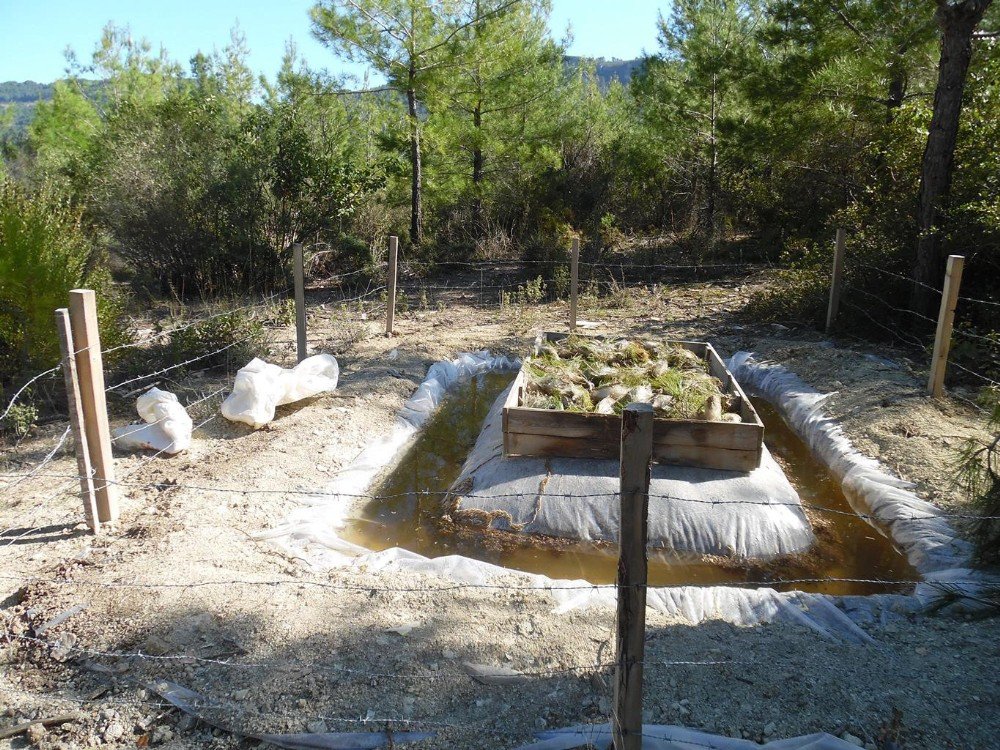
(589, 375)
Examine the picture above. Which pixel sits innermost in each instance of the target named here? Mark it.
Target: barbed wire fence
(365, 305)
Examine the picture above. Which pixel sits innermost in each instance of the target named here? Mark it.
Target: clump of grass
(588, 375)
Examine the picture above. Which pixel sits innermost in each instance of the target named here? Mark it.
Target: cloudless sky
(34, 33)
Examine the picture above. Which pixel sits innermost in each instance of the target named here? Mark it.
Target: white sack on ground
(261, 387)
(167, 425)
(576, 498)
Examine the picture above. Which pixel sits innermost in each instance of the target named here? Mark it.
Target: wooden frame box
(687, 442)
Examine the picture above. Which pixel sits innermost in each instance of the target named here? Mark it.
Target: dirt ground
(180, 591)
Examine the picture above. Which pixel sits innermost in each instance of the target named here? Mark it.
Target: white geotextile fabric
(310, 533)
(576, 498)
(261, 387)
(918, 528)
(662, 737)
(166, 425)
(314, 526)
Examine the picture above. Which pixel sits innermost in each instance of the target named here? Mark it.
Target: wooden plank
(574, 276)
(77, 420)
(90, 369)
(630, 625)
(606, 427)
(836, 280)
(390, 286)
(300, 301)
(550, 446)
(946, 318)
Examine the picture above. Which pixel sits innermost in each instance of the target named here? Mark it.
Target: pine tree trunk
(957, 22)
(416, 179)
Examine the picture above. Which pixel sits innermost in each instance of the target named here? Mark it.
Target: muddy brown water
(847, 546)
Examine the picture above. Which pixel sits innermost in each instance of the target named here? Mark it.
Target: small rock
(316, 727)
(449, 654)
(770, 728)
(525, 627)
(856, 741)
(241, 695)
(162, 734)
(540, 723)
(114, 731)
(36, 733)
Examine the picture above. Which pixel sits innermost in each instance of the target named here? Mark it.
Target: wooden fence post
(390, 285)
(836, 280)
(300, 301)
(90, 370)
(574, 278)
(636, 454)
(946, 318)
(76, 420)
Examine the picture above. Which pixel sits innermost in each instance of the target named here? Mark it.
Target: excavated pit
(846, 546)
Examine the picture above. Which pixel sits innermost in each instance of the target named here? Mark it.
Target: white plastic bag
(261, 387)
(167, 425)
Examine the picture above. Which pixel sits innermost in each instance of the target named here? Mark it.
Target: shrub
(44, 252)
(978, 471)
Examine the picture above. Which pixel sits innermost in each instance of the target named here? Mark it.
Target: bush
(44, 252)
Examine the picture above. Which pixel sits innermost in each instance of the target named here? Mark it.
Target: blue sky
(34, 33)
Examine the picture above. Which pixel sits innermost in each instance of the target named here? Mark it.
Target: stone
(114, 731)
(856, 741)
(770, 728)
(316, 727)
(36, 734)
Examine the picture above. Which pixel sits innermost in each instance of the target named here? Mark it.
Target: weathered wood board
(687, 442)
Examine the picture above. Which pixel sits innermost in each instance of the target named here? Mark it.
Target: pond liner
(576, 498)
(309, 533)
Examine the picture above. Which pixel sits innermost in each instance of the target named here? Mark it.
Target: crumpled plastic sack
(167, 427)
(261, 387)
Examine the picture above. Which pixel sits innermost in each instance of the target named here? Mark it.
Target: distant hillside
(609, 70)
(21, 98)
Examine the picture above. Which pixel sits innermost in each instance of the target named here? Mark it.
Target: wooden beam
(90, 370)
(636, 454)
(836, 280)
(390, 286)
(946, 319)
(300, 302)
(76, 420)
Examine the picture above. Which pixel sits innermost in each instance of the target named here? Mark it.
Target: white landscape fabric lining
(574, 498)
(310, 532)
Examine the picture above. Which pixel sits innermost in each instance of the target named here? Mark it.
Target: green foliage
(44, 253)
(977, 470)
(20, 419)
(235, 338)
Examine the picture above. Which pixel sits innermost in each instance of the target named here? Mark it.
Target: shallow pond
(847, 546)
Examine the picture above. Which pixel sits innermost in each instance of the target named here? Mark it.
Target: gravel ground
(181, 592)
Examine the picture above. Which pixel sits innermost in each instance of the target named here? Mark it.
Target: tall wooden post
(390, 286)
(76, 419)
(946, 319)
(300, 301)
(90, 370)
(574, 279)
(836, 280)
(636, 455)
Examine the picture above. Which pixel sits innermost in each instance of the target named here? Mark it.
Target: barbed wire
(885, 272)
(23, 388)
